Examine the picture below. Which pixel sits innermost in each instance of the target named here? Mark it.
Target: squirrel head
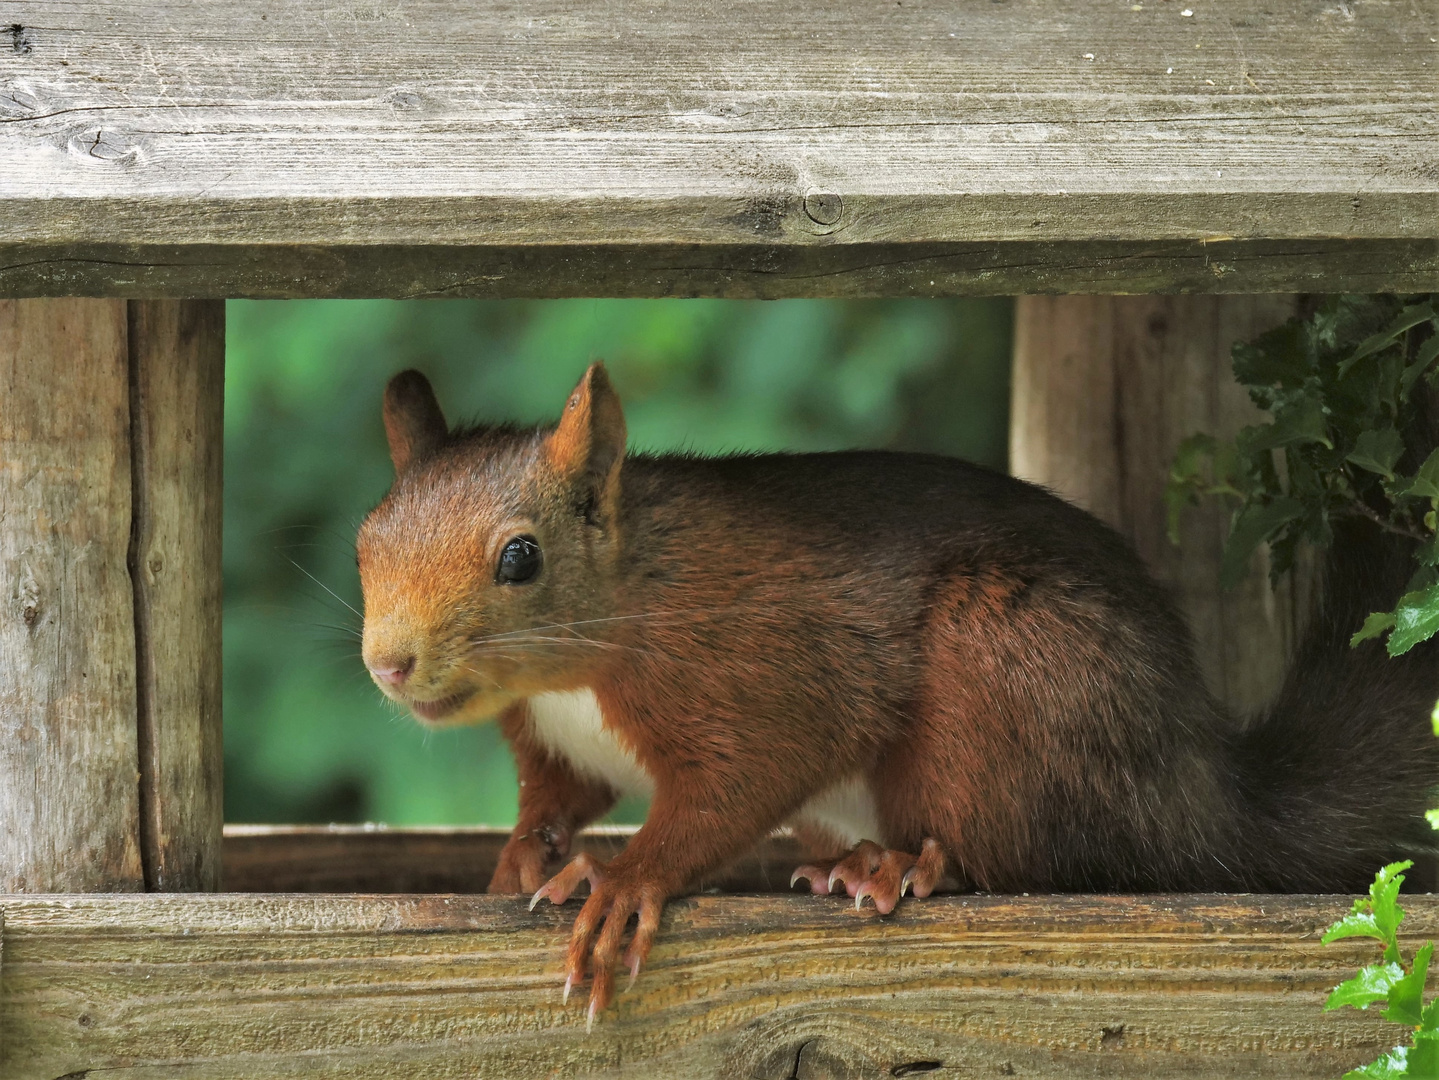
(488, 547)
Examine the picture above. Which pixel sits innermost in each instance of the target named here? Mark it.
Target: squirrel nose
(392, 670)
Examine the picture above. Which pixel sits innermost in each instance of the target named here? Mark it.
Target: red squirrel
(932, 670)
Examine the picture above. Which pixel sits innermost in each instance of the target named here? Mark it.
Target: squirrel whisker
(610, 619)
(520, 645)
(329, 590)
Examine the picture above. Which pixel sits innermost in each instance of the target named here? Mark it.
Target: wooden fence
(156, 158)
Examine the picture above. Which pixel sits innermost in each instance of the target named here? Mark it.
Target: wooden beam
(769, 987)
(441, 147)
(110, 449)
(373, 859)
(1104, 389)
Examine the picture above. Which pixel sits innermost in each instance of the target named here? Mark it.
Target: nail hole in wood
(823, 207)
(913, 1068)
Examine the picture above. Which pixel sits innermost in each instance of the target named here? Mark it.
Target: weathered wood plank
(444, 986)
(858, 148)
(373, 859)
(69, 817)
(1104, 390)
(177, 377)
(738, 271)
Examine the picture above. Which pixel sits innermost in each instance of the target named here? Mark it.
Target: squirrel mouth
(440, 707)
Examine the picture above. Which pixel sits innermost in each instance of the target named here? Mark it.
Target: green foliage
(1347, 436)
(307, 738)
(1342, 388)
(1398, 986)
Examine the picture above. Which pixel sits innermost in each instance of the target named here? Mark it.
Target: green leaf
(1372, 984)
(1432, 816)
(1406, 997)
(1277, 357)
(1377, 915)
(1377, 451)
(1254, 524)
(1392, 1066)
(1186, 477)
(1422, 1061)
(1408, 318)
(1416, 620)
(1422, 359)
(1298, 425)
(1376, 624)
(1383, 901)
(1356, 924)
(1427, 553)
(1429, 1019)
(1424, 484)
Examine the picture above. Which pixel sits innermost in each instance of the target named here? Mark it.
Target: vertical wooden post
(109, 694)
(177, 400)
(1104, 390)
(69, 801)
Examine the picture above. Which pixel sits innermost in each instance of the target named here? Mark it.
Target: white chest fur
(846, 811)
(570, 725)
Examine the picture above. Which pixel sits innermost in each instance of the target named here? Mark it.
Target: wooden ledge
(441, 147)
(759, 987)
(378, 859)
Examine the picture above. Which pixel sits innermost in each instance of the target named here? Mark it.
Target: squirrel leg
(882, 874)
(610, 905)
(678, 843)
(555, 803)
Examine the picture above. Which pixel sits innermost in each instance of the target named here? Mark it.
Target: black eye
(520, 561)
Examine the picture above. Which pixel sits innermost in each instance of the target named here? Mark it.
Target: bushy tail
(1340, 770)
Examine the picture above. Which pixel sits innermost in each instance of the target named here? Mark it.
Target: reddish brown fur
(994, 662)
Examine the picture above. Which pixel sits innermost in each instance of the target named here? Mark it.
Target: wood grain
(1104, 389)
(177, 387)
(769, 987)
(373, 859)
(702, 147)
(69, 817)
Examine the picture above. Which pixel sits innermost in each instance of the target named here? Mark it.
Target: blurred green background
(307, 737)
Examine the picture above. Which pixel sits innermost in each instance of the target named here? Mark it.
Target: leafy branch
(1399, 986)
(1345, 438)
(1348, 436)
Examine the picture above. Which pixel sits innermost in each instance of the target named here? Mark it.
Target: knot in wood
(823, 207)
(104, 146)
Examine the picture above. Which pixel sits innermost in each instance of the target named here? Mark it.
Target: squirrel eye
(519, 561)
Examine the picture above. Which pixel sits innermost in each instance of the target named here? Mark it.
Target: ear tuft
(588, 445)
(414, 424)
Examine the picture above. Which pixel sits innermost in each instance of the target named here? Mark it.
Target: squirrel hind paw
(882, 875)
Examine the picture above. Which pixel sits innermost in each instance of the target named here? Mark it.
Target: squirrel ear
(589, 443)
(414, 424)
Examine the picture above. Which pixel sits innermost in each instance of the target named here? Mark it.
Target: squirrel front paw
(522, 862)
(611, 901)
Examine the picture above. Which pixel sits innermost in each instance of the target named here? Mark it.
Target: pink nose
(392, 670)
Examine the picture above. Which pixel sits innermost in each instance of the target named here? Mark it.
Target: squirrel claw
(881, 874)
(815, 875)
(599, 929)
(583, 867)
